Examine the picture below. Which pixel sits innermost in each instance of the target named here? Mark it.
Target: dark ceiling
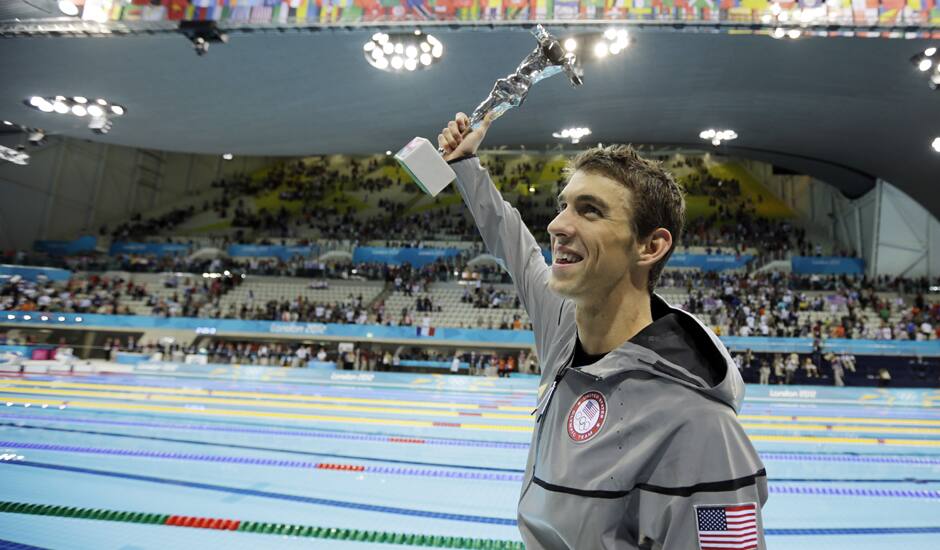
(846, 110)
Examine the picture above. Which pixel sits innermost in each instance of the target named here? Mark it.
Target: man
(636, 443)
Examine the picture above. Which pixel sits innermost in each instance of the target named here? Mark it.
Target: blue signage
(66, 248)
(708, 262)
(149, 249)
(31, 273)
(441, 335)
(417, 257)
(271, 251)
(827, 265)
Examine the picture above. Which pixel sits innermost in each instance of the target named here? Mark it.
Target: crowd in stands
(760, 304)
(109, 295)
(769, 304)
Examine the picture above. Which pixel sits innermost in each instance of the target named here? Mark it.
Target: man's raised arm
(501, 226)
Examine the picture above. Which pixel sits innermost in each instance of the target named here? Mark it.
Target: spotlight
(718, 136)
(201, 33)
(68, 8)
(15, 156)
(574, 134)
(936, 145)
(227, 156)
(100, 124)
(37, 137)
(571, 45)
(925, 65)
(407, 51)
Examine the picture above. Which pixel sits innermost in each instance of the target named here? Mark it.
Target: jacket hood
(679, 348)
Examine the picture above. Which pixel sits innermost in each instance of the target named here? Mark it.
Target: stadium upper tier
(372, 198)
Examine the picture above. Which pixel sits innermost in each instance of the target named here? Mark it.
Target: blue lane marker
(10, 545)
(257, 448)
(269, 494)
(855, 531)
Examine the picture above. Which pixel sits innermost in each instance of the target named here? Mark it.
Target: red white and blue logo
(586, 417)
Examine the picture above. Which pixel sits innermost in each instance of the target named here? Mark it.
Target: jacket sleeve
(709, 486)
(507, 238)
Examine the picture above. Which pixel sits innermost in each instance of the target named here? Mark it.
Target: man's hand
(457, 140)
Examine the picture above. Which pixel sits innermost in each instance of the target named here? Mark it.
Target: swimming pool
(237, 459)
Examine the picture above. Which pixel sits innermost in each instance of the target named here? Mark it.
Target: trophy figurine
(424, 162)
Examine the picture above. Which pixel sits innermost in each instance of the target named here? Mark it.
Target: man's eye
(588, 209)
(559, 207)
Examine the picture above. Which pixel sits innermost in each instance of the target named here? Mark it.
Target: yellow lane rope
(259, 403)
(267, 414)
(259, 395)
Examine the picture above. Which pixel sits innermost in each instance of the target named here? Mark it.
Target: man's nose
(561, 227)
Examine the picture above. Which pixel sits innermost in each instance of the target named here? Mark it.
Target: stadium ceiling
(844, 110)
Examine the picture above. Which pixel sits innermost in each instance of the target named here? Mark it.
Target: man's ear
(655, 247)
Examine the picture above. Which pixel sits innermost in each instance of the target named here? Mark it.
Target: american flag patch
(727, 527)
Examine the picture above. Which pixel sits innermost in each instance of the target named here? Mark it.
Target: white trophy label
(426, 166)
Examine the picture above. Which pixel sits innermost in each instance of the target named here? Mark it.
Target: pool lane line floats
(259, 527)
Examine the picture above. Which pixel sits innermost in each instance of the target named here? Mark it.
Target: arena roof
(845, 110)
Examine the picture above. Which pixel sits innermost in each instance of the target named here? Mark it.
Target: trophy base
(421, 159)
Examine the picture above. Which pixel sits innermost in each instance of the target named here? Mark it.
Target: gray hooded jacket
(634, 450)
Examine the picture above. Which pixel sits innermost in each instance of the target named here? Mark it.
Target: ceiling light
(16, 156)
(610, 34)
(794, 33)
(95, 110)
(101, 102)
(7, 123)
(388, 153)
(227, 156)
(117, 109)
(80, 99)
(925, 64)
(68, 7)
(936, 145)
(574, 134)
(717, 136)
(99, 124)
(406, 51)
(60, 107)
(600, 49)
(79, 110)
(779, 32)
(930, 51)
(571, 45)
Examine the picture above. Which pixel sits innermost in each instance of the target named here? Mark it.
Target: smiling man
(636, 441)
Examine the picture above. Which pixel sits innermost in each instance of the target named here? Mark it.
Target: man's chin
(564, 287)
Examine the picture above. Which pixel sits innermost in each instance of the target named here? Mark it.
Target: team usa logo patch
(586, 417)
(727, 526)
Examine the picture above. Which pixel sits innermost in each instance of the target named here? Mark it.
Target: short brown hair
(658, 201)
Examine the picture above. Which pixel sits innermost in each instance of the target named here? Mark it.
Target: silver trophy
(423, 161)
